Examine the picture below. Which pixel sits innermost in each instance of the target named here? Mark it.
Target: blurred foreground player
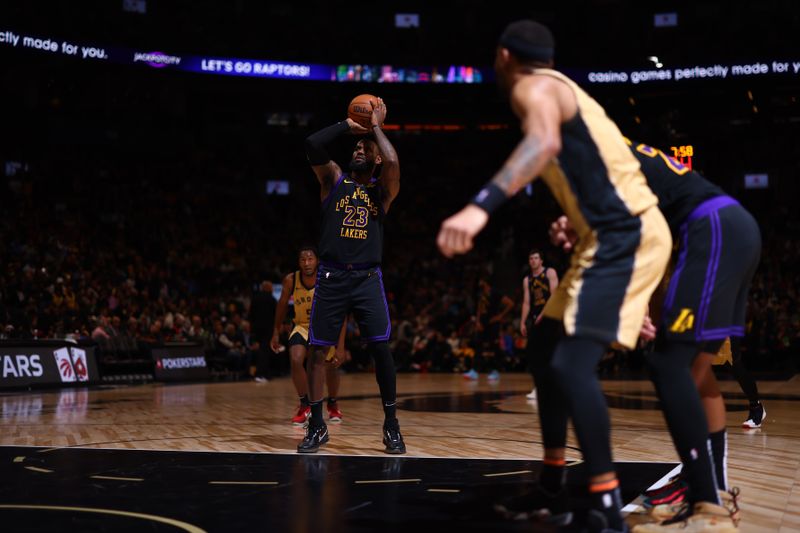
(705, 303)
(719, 249)
(349, 279)
(622, 250)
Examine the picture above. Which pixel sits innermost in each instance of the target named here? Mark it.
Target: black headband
(527, 50)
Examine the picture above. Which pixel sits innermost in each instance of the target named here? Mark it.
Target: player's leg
(574, 364)
(530, 351)
(328, 310)
(553, 412)
(371, 312)
(317, 432)
(333, 378)
(316, 382)
(745, 379)
(548, 500)
(672, 369)
(298, 351)
(552, 406)
(748, 238)
(714, 407)
(605, 304)
(719, 252)
(736, 259)
(670, 366)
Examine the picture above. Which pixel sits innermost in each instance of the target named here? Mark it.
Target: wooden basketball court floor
(115, 458)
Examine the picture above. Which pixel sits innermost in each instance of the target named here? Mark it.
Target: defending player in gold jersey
(300, 286)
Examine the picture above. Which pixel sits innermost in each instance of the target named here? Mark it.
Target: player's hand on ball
(356, 128)
(378, 113)
(457, 232)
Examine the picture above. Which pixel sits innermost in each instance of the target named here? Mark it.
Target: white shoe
(532, 394)
(756, 418)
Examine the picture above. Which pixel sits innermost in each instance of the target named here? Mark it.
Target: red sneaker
(303, 413)
(673, 493)
(334, 414)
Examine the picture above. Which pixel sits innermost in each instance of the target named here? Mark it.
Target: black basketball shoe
(539, 505)
(392, 438)
(315, 437)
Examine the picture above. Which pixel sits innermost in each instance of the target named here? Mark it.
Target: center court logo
(156, 59)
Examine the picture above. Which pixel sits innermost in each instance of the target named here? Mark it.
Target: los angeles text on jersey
(356, 217)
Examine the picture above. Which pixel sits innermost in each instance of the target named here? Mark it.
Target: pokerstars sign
(24, 364)
(179, 361)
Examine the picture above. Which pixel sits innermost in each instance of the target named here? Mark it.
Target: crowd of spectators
(134, 206)
(124, 259)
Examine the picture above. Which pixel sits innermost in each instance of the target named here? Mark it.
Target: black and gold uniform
(719, 245)
(539, 293)
(302, 297)
(349, 278)
(542, 337)
(623, 241)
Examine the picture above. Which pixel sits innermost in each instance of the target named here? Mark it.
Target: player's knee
(379, 346)
(657, 364)
(560, 369)
(574, 362)
(297, 358)
(316, 355)
(671, 360)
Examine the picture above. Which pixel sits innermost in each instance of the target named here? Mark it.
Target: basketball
(360, 109)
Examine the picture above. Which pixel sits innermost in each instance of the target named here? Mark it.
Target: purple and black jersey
(678, 188)
(719, 245)
(352, 224)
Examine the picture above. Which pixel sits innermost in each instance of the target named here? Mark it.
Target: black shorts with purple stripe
(344, 289)
(720, 246)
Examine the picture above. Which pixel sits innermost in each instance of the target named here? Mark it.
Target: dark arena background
(154, 186)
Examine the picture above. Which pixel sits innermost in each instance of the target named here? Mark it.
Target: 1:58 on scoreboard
(683, 153)
(684, 150)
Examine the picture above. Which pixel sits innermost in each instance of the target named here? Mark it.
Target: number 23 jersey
(352, 223)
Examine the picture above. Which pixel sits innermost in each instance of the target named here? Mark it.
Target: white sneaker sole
(750, 424)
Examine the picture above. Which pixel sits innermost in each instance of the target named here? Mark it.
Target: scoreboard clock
(683, 153)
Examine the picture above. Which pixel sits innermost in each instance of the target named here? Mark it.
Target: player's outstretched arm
(390, 171)
(537, 101)
(328, 171)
